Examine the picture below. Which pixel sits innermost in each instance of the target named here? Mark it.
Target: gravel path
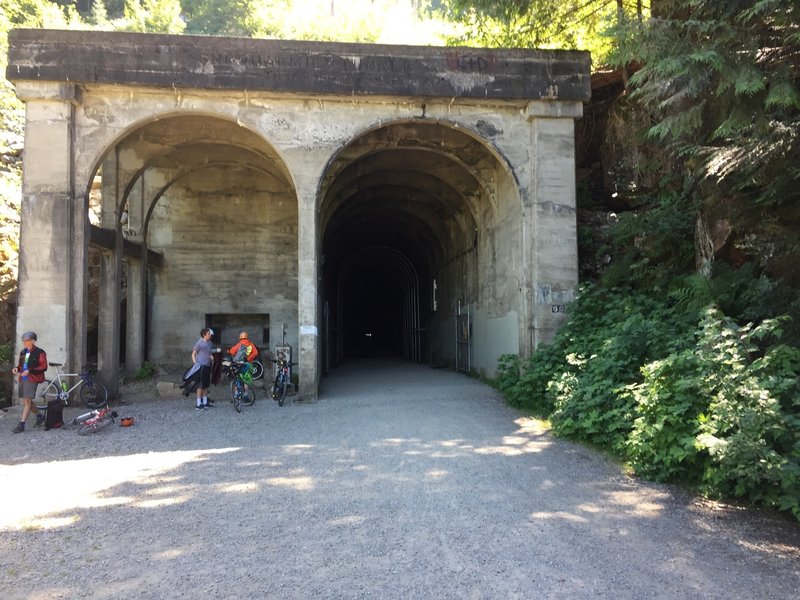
(401, 482)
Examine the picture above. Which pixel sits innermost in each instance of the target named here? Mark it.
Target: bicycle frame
(57, 388)
(59, 381)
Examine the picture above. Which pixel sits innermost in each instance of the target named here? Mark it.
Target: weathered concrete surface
(296, 66)
(285, 181)
(401, 483)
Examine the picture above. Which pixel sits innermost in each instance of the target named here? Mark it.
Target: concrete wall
(230, 247)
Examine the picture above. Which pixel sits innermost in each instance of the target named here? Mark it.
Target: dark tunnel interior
(396, 207)
(372, 309)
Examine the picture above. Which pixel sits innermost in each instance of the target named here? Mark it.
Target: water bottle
(63, 386)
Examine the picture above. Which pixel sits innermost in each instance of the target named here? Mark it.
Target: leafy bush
(145, 372)
(685, 395)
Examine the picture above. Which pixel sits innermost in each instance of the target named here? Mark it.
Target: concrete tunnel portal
(368, 200)
(402, 201)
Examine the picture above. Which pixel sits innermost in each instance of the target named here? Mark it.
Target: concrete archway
(212, 201)
(421, 201)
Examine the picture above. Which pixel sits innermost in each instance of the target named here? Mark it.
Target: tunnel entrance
(403, 210)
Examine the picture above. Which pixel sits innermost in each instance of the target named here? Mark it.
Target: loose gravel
(400, 482)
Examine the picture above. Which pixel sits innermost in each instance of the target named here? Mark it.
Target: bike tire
(248, 394)
(236, 396)
(96, 426)
(94, 395)
(282, 393)
(49, 391)
(257, 369)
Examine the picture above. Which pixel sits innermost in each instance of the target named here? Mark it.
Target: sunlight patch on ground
(515, 450)
(171, 554)
(348, 521)
(28, 489)
(561, 515)
(635, 505)
(298, 483)
(436, 474)
(160, 502)
(239, 488)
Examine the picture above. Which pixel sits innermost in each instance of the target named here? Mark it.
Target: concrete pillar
(307, 291)
(53, 236)
(551, 217)
(135, 318)
(109, 315)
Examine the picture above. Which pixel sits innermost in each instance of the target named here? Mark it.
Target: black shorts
(205, 377)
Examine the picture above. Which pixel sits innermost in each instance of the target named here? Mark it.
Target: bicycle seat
(56, 364)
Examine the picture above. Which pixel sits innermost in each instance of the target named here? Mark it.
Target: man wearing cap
(201, 355)
(30, 371)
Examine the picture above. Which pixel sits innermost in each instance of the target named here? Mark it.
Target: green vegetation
(145, 372)
(6, 354)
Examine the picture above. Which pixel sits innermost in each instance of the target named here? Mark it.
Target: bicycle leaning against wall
(282, 378)
(92, 393)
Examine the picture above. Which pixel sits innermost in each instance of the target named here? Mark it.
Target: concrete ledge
(296, 66)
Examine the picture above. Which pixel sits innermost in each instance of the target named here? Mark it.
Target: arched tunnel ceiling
(182, 144)
(417, 187)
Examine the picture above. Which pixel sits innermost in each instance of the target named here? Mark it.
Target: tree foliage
(565, 24)
(722, 81)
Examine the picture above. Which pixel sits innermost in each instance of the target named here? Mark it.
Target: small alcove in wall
(227, 327)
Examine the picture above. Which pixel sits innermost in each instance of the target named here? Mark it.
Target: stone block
(165, 389)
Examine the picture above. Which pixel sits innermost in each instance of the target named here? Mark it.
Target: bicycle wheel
(96, 426)
(248, 394)
(236, 395)
(94, 394)
(48, 390)
(283, 385)
(258, 369)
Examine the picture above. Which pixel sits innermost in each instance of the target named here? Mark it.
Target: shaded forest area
(681, 356)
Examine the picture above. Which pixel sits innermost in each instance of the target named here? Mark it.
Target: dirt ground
(400, 482)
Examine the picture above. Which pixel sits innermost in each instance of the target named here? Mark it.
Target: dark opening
(372, 306)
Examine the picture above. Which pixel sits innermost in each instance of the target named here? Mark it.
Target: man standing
(201, 355)
(30, 370)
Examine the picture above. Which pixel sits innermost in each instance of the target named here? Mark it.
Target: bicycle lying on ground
(282, 378)
(92, 393)
(241, 391)
(95, 420)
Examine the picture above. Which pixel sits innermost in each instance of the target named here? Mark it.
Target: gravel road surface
(400, 482)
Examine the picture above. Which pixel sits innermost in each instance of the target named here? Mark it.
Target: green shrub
(685, 395)
(145, 372)
(6, 353)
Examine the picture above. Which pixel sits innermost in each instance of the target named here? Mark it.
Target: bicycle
(95, 420)
(91, 421)
(282, 378)
(241, 392)
(92, 393)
